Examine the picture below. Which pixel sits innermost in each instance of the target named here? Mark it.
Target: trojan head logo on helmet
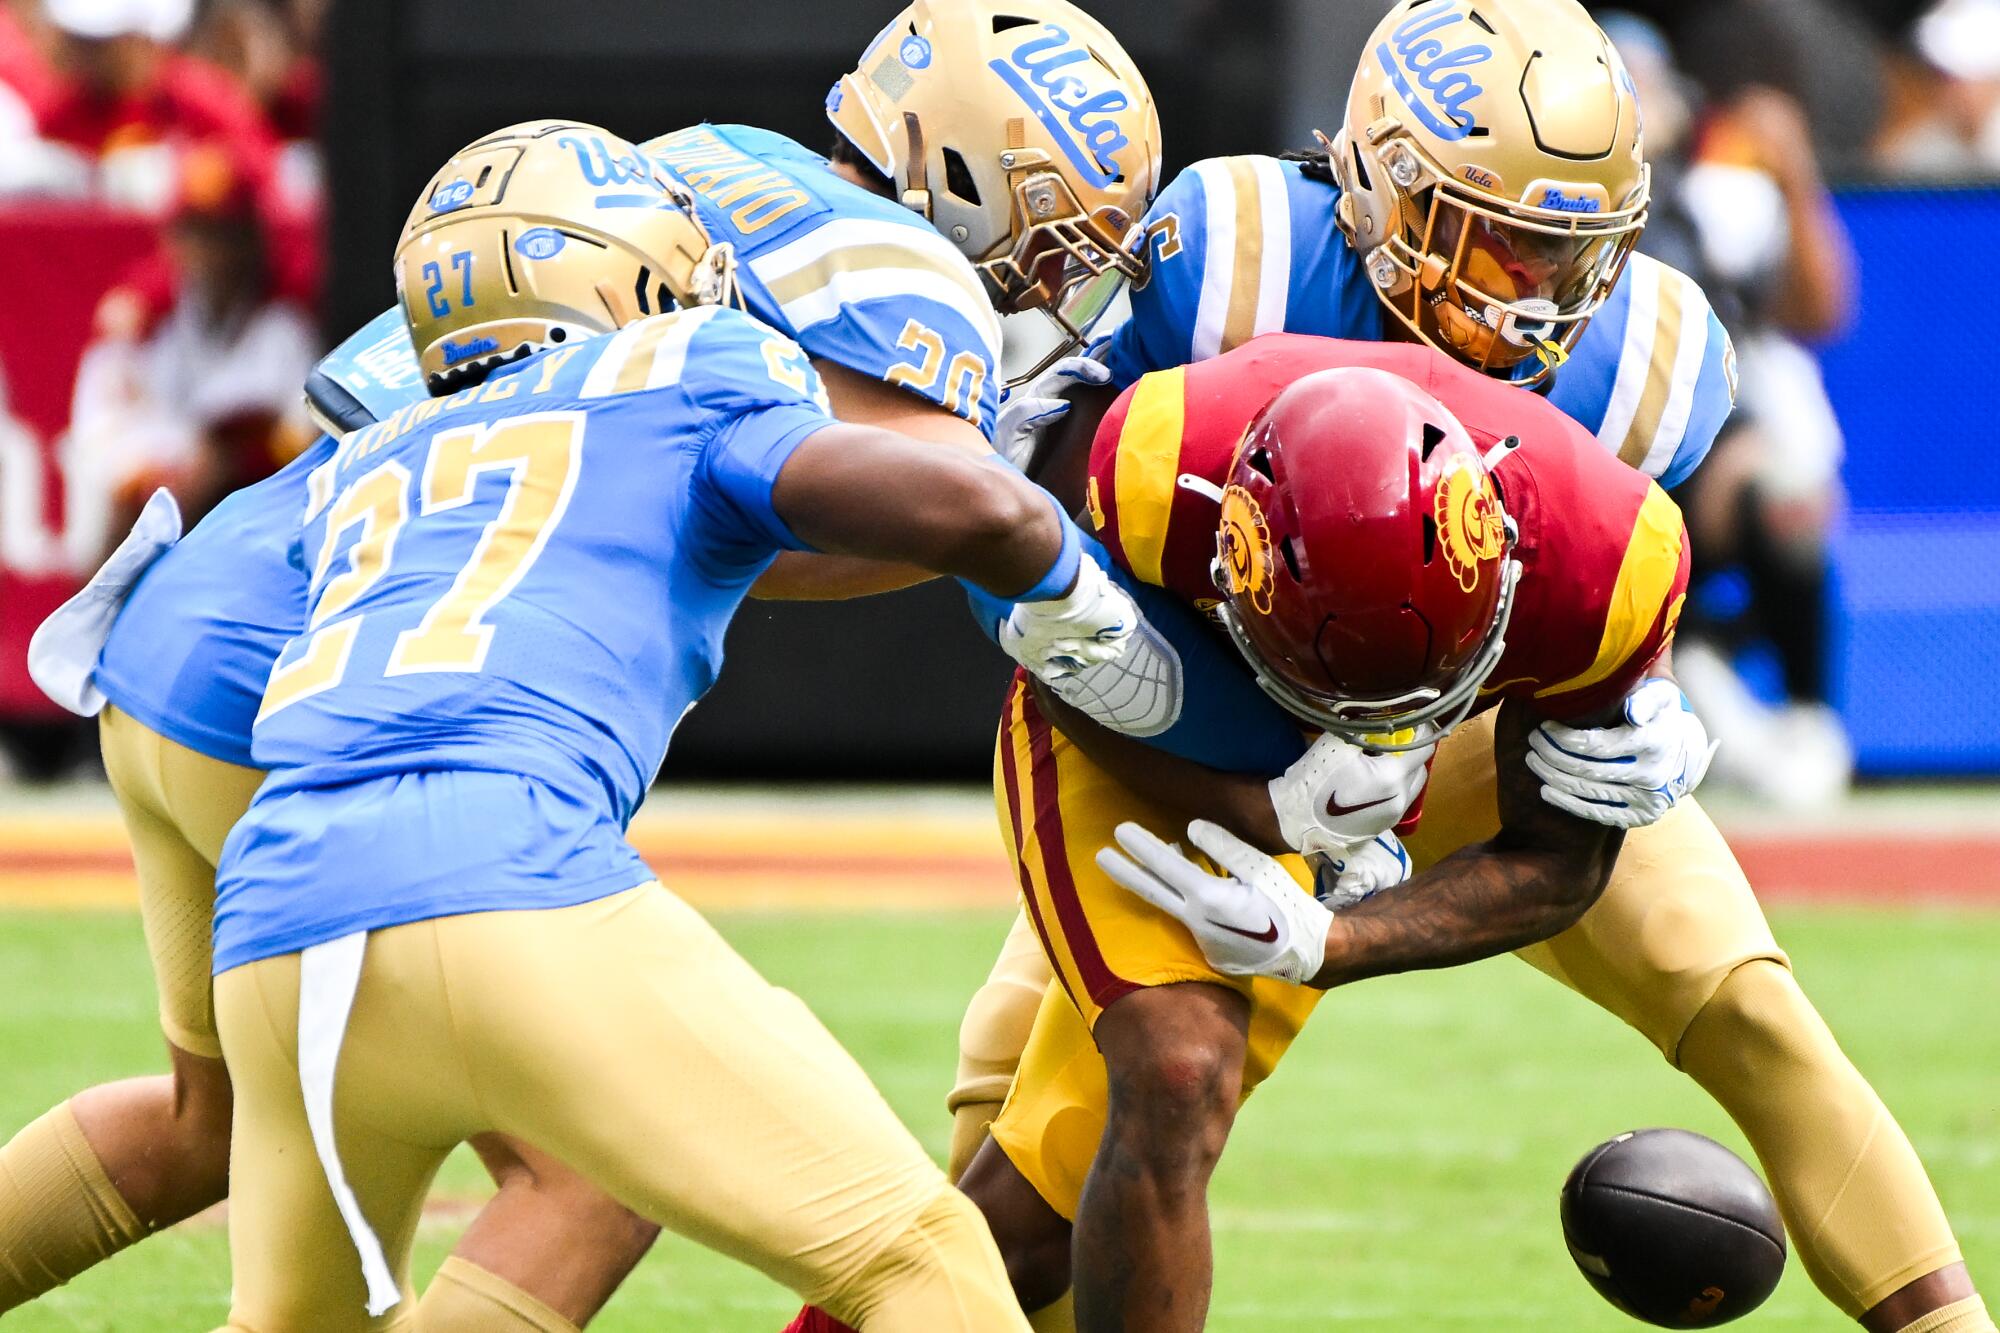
(1364, 558)
(1024, 133)
(1492, 176)
(540, 233)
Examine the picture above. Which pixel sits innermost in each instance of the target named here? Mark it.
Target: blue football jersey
(193, 644)
(1242, 246)
(854, 278)
(531, 578)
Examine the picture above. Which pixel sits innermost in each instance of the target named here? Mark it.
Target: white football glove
(1626, 776)
(1139, 694)
(1337, 794)
(1253, 920)
(1361, 872)
(1035, 406)
(1060, 637)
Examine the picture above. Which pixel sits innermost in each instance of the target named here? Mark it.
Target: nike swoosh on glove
(1031, 409)
(1089, 625)
(1627, 776)
(1251, 920)
(1338, 794)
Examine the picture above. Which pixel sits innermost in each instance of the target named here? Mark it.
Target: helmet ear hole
(1260, 459)
(958, 177)
(1433, 437)
(1361, 177)
(640, 290)
(1291, 559)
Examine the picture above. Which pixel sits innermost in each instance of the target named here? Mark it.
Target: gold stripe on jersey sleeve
(1148, 467)
(1246, 286)
(1645, 578)
(637, 369)
(805, 281)
(1660, 375)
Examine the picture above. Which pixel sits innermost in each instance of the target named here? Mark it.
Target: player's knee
(941, 1273)
(990, 1040)
(1170, 1111)
(1174, 1060)
(1758, 1020)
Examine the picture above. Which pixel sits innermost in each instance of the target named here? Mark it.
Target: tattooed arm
(1536, 877)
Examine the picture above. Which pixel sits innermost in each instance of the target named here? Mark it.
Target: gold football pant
(1677, 947)
(624, 1037)
(178, 807)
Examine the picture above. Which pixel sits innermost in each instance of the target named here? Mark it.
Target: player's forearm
(871, 493)
(1531, 881)
(1482, 901)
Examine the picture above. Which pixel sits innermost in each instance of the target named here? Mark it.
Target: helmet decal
(1471, 529)
(600, 168)
(1243, 541)
(450, 197)
(1415, 59)
(540, 243)
(1031, 70)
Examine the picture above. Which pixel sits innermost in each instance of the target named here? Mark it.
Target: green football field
(1399, 1172)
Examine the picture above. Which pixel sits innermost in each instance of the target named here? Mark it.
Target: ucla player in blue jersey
(988, 160)
(901, 326)
(517, 590)
(1483, 196)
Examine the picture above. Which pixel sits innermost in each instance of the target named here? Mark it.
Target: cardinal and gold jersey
(1245, 246)
(1602, 548)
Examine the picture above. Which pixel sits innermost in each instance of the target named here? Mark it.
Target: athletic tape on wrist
(1056, 582)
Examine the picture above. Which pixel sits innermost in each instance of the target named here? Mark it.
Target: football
(1673, 1228)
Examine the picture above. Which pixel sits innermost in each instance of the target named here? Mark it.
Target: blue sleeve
(1226, 722)
(762, 398)
(1714, 400)
(1160, 334)
(375, 369)
(891, 336)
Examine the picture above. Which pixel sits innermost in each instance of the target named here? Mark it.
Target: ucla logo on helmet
(1562, 201)
(915, 52)
(541, 243)
(1083, 124)
(1431, 75)
(447, 198)
(600, 168)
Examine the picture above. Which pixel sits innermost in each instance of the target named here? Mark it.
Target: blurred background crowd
(164, 185)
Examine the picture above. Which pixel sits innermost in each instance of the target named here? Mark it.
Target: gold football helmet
(1492, 174)
(542, 232)
(1026, 135)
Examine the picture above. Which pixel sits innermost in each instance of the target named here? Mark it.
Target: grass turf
(1400, 1171)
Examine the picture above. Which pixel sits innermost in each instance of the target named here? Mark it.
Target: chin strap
(917, 195)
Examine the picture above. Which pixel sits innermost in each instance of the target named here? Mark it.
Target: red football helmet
(1364, 557)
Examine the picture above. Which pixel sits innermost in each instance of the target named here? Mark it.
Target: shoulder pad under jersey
(1654, 373)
